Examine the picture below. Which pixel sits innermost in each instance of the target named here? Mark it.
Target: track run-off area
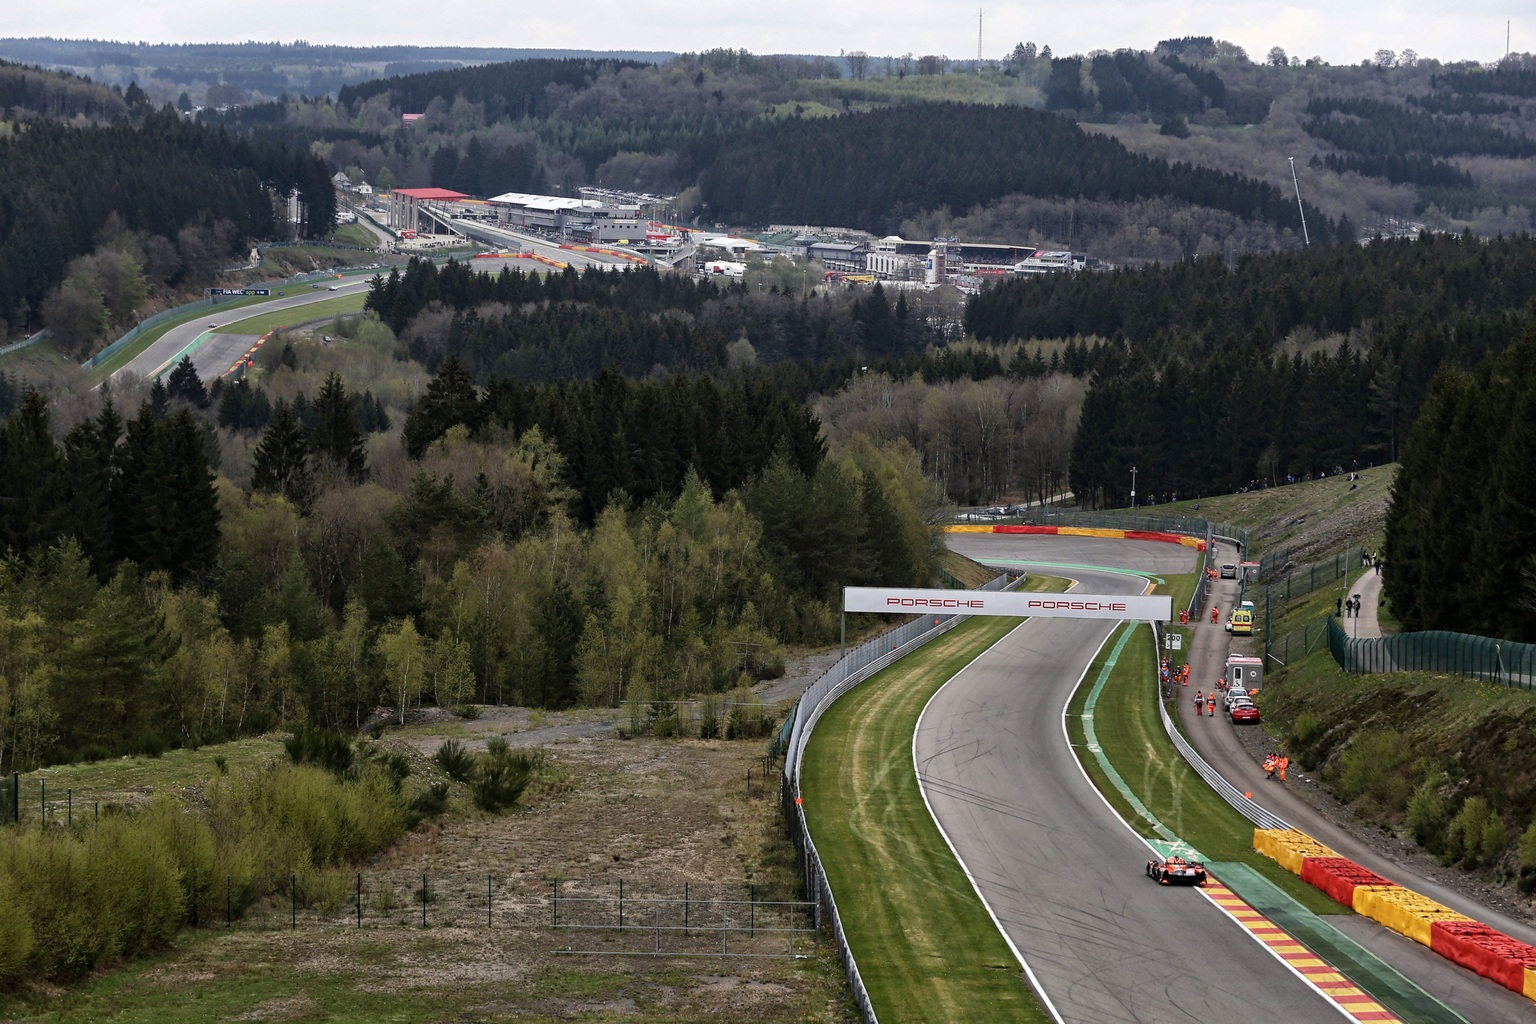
(981, 875)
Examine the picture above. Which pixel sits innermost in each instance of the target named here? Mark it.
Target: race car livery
(1176, 871)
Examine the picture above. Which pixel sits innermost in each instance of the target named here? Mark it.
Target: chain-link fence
(1476, 657)
(1287, 581)
(1308, 637)
(1194, 526)
(10, 799)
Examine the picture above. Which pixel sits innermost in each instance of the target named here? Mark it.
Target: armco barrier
(853, 668)
(1260, 817)
(1080, 531)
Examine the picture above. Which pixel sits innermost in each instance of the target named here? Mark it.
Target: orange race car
(1176, 871)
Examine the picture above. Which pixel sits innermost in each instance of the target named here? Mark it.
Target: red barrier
(1338, 876)
(1009, 528)
(1167, 538)
(1485, 950)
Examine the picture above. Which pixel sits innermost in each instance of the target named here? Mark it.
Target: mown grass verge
(294, 315)
(925, 944)
(1131, 735)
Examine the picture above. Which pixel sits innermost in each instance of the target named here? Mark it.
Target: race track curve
(1106, 944)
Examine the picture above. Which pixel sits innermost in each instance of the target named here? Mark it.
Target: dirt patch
(285, 1008)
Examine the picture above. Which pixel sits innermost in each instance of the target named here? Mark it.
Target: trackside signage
(986, 602)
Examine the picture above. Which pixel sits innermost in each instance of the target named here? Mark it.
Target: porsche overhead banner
(987, 602)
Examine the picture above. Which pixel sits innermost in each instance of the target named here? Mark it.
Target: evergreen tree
(451, 399)
(281, 462)
(337, 438)
(31, 484)
(185, 384)
(160, 398)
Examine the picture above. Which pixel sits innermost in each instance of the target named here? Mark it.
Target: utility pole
(1133, 487)
(1305, 238)
(978, 39)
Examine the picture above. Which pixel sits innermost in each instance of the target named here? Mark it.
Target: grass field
(926, 947)
(322, 310)
(1130, 732)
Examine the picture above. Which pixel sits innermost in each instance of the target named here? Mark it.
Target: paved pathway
(1367, 623)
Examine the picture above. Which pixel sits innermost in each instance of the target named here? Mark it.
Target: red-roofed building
(405, 206)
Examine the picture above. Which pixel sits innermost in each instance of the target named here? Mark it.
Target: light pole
(1133, 487)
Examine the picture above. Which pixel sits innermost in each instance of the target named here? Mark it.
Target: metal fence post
(423, 899)
(293, 900)
(488, 899)
(359, 899)
(621, 904)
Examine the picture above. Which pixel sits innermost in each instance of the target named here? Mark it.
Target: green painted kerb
(1167, 844)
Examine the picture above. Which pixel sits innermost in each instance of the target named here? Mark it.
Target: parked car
(1229, 571)
(1244, 712)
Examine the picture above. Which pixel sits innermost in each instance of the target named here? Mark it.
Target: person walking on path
(1338, 607)
(1199, 703)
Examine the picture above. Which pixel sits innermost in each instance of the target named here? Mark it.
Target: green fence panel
(1489, 659)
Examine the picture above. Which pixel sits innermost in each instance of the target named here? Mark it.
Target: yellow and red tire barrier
(1461, 940)
(1082, 531)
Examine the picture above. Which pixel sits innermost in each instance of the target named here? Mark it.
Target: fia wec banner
(901, 600)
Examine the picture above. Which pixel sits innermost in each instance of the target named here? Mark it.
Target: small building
(846, 257)
(1245, 672)
(409, 119)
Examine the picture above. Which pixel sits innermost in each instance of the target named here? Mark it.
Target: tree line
(513, 90)
(871, 170)
(190, 187)
(1436, 277)
(545, 328)
(1459, 534)
(1380, 128)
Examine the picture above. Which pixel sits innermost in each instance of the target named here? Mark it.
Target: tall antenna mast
(1305, 238)
(978, 37)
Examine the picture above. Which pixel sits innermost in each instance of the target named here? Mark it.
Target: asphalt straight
(1216, 740)
(219, 351)
(1062, 874)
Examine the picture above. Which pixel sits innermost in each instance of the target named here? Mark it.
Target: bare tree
(858, 64)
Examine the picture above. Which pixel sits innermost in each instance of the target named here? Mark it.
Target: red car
(1176, 871)
(1244, 711)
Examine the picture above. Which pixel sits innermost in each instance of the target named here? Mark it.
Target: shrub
(469, 712)
(1495, 840)
(709, 718)
(452, 758)
(502, 777)
(1464, 837)
(1528, 858)
(748, 718)
(15, 936)
(430, 802)
(309, 744)
(221, 764)
(1370, 767)
(1426, 816)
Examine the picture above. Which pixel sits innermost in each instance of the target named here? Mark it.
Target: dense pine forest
(96, 216)
(874, 170)
(1460, 532)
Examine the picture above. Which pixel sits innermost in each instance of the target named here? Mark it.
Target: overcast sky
(1339, 31)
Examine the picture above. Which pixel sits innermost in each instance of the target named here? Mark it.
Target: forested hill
(873, 170)
(1287, 366)
(517, 89)
(1429, 279)
(94, 217)
(31, 91)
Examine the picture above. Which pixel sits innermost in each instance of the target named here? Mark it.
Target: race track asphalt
(1061, 872)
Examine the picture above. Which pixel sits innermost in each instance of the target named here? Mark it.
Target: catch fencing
(1287, 581)
(1194, 526)
(1298, 643)
(853, 668)
(1504, 662)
